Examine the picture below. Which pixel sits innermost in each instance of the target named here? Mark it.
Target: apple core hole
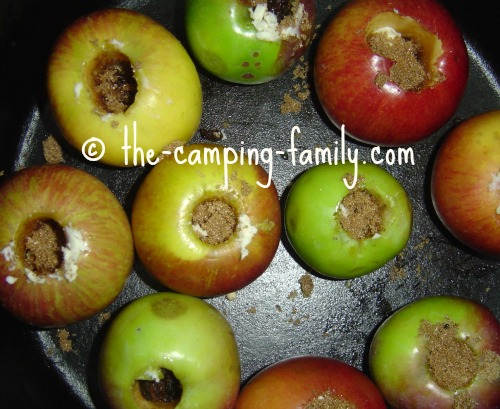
(361, 214)
(112, 82)
(164, 393)
(40, 242)
(452, 363)
(214, 221)
(280, 8)
(328, 400)
(412, 50)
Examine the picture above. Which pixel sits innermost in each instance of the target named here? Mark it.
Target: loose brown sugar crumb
(306, 285)
(329, 400)
(489, 366)
(407, 72)
(290, 105)
(214, 221)
(463, 400)
(452, 363)
(52, 151)
(65, 342)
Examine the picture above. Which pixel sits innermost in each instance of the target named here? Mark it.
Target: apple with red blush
(392, 72)
(438, 352)
(465, 183)
(66, 246)
(309, 382)
(206, 220)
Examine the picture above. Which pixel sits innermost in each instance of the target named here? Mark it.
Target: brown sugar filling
(361, 213)
(214, 221)
(112, 82)
(164, 393)
(328, 400)
(41, 244)
(412, 50)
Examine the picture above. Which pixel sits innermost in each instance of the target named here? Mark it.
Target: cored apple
(66, 245)
(465, 183)
(206, 220)
(391, 72)
(118, 79)
(168, 350)
(249, 42)
(310, 382)
(438, 352)
(341, 232)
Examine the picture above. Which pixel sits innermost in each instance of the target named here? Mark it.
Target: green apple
(438, 352)
(66, 245)
(248, 42)
(168, 350)
(117, 70)
(345, 233)
(206, 221)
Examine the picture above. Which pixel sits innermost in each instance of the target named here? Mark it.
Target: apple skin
(293, 382)
(223, 39)
(464, 194)
(168, 104)
(398, 361)
(318, 238)
(164, 237)
(71, 197)
(345, 68)
(177, 332)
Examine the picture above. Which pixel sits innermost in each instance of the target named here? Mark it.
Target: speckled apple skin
(398, 360)
(463, 192)
(293, 382)
(71, 197)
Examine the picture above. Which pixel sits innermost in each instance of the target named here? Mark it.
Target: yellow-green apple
(465, 182)
(66, 245)
(168, 350)
(391, 72)
(310, 382)
(341, 232)
(438, 352)
(206, 220)
(123, 78)
(249, 42)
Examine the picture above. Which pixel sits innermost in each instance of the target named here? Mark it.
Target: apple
(168, 350)
(206, 220)
(465, 182)
(66, 246)
(310, 382)
(249, 42)
(391, 72)
(341, 232)
(121, 77)
(438, 352)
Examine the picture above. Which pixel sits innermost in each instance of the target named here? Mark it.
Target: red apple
(465, 183)
(391, 72)
(206, 221)
(309, 382)
(440, 352)
(167, 350)
(66, 246)
(117, 72)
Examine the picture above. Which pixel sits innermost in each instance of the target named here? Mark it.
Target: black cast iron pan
(36, 373)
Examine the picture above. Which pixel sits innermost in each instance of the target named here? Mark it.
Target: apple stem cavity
(214, 221)
(412, 50)
(166, 391)
(112, 82)
(361, 213)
